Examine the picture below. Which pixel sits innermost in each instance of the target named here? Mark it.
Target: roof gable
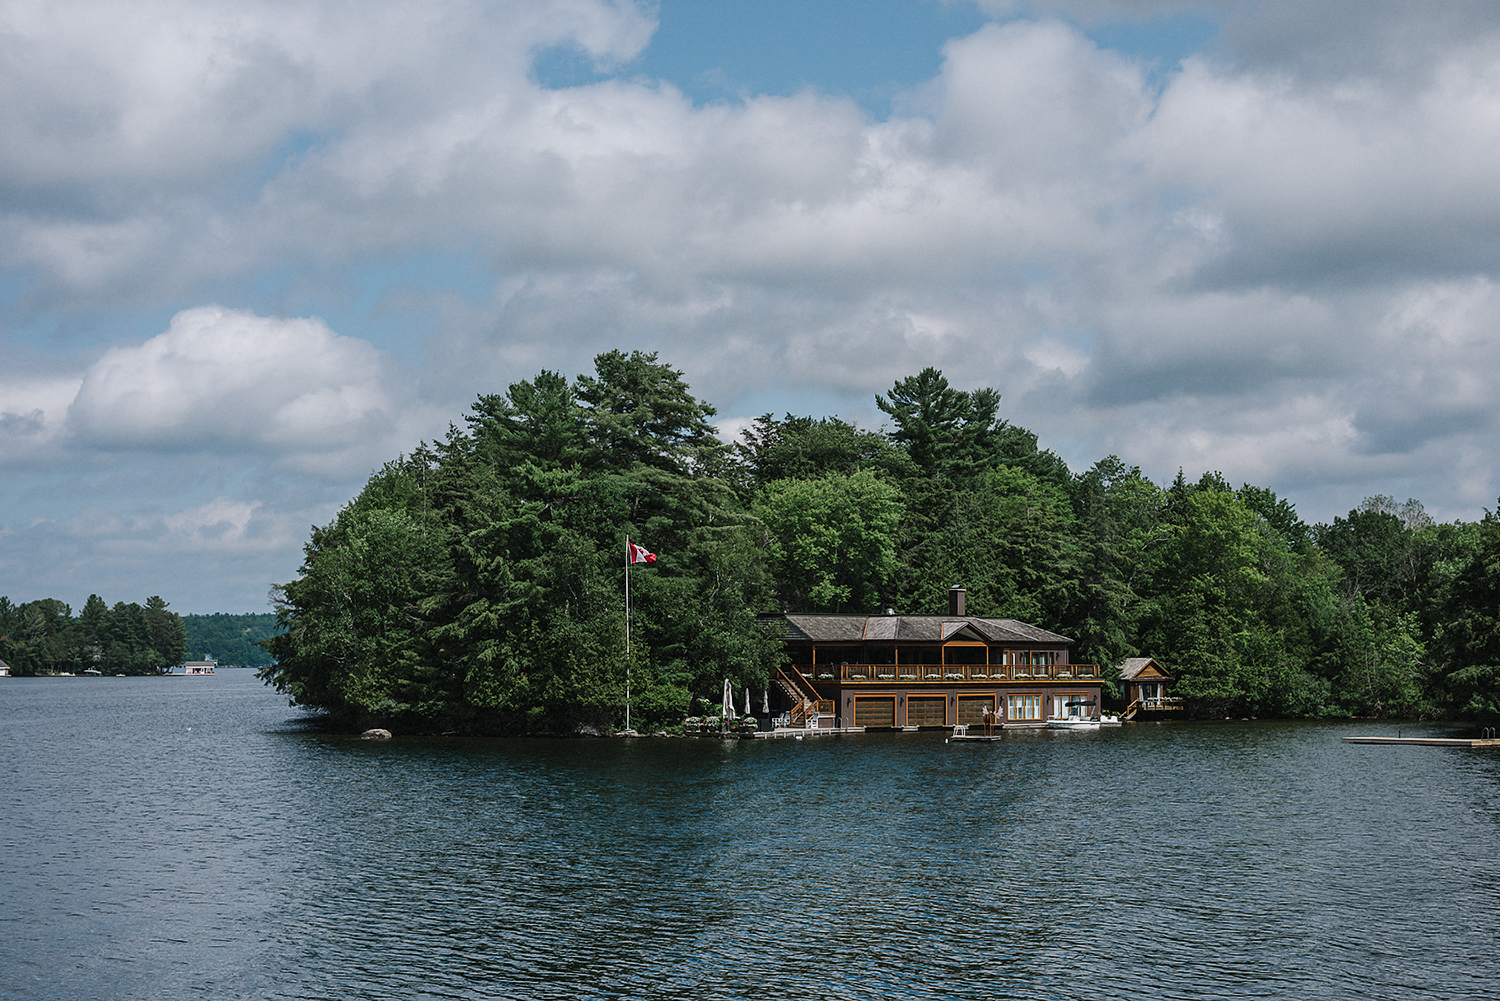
(1138, 668)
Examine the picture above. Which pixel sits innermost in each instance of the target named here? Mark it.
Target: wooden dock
(1424, 741)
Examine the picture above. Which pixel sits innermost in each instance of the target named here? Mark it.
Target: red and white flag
(638, 554)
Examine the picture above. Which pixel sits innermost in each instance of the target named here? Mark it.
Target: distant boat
(198, 667)
(1082, 722)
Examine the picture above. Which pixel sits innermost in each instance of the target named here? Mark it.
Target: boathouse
(1145, 685)
(904, 671)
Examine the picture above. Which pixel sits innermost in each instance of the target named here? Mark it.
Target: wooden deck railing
(807, 704)
(890, 674)
(1169, 703)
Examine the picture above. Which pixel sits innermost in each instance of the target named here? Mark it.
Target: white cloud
(32, 411)
(1257, 262)
(221, 520)
(220, 378)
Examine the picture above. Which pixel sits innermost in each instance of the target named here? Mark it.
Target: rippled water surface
(186, 837)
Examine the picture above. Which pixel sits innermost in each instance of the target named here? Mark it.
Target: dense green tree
(805, 448)
(1119, 518)
(42, 637)
(639, 411)
(1009, 540)
(1467, 640)
(954, 435)
(478, 582)
(229, 638)
(165, 631)
(832, 539)
(504, 609)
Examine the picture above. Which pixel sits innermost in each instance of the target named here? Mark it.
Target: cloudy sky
(251, 249)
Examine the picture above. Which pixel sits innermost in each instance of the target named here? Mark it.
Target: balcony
(919, 674)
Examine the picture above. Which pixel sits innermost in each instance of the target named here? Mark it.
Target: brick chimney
(956, 600)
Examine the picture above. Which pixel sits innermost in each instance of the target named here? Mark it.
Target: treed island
(477, 584)
(44, 637)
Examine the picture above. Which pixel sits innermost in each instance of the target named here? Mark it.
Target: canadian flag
(638, 554)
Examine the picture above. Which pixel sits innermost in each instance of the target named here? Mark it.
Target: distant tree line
(44, 637)
(478, 583)
(230, 639)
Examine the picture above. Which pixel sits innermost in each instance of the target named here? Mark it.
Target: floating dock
(1425, 741)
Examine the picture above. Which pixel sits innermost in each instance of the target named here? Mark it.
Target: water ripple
(166, 839)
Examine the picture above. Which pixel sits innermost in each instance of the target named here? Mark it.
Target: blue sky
(253, 249)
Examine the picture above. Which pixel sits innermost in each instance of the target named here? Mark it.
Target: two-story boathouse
(930, 671)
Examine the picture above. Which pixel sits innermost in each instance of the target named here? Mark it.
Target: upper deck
(917, 674)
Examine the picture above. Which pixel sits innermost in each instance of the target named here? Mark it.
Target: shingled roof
(1133, 666)
(832, 628)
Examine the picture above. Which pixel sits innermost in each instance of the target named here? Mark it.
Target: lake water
(189, 837)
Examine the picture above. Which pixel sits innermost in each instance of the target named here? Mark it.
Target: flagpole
(627, 632)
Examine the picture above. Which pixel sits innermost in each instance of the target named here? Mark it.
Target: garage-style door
(927, 712)
(971, 708)
(875, 711)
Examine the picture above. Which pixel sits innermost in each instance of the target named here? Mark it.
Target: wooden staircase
(804, 698)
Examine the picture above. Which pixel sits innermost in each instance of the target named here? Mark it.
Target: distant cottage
(904, 671)
(1144, 685)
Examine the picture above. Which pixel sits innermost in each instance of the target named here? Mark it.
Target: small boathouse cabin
(1145, 685)
(199, 667)
(904, 671)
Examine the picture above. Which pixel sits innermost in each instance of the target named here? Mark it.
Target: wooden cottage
(1145, 684)
(929, 671)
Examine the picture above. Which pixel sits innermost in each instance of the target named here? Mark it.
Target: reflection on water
(169, 838)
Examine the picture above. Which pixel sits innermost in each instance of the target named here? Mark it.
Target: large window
(1025, 707)
(1060, 706)
(966, 653)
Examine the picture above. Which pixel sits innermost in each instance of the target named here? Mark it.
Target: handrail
(898, 673)
(808, 703)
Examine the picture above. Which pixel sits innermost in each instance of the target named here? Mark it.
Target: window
(965, 653)
(1025, 707)
(1060, 707)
